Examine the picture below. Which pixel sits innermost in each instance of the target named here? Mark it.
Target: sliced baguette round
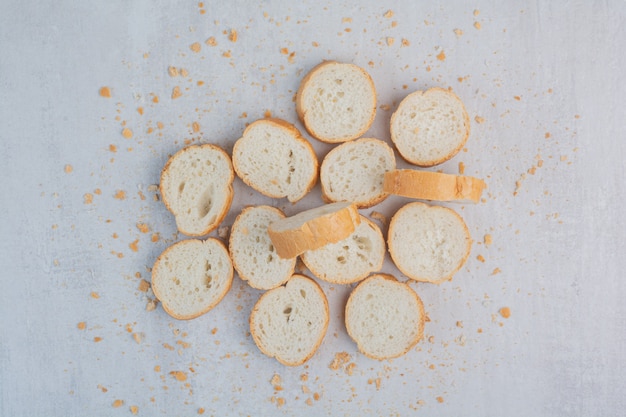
(273, 158)
(430, 127)
(428, 243)
(196, 187)
(314, 228)
(336, 102)
(351, 259)
(425, 185)
(252, 252)
(384, 317)
(354, 171)
(289, 322)
(191, 277)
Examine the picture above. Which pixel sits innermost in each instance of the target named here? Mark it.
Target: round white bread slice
(191, 277)
(252, 252)
(336, 101)
(430, 127)
(384, 317)
(273, 158)
(425, 185)
(428, 243)
(354, 171)
(289, 322)
(314, 228)
(196, 187)
(351, 259)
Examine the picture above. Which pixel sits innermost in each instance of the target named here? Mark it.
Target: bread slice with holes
(429, 127)
(384, 317)
(252, 251)
(314, 228)
(273, 158)
(336, 101)
(426, 185)
(351, 259)
(196, 187)
(354, 171)
(289, 322)
(191, 277)
(428, 243)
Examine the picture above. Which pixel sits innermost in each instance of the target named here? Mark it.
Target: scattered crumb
(316, 396)
(280, 401)
(137, 338)
(487, 239)
(377, 383)
(88, 198)
(380, 217)
(118, 403)
(477, 25)
(134, 245)
(385, 107)
(267, 114)
(105, 92)
(134, 409)
(388, 14)
(481, 258)
(68, 168)
(195, 126)
(496, 271)
(127, 133)
(476, 12)
(479, 120)
(112, 148)
(518, 98)
(223, 231)
(227, 54)
(439, 399)
(195, 47)
(97, 339)
(405, 42)
(120, 195)
(200, 410)
(341, 358)
(94, 295)
(81, 325)
(441, 56)
(505, 312)
(390, 41)
(151, 305)
(211, 41)
(176, 93)
(350, 368)
(143, 228)
(308, 402)
(172, 71)
(458, 32)
(461, 168)
(233, 35)
(144, 285)
(179, 375)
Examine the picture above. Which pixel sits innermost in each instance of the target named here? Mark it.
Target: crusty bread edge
(390, 248)
(235, 229)
(302, 111)
(322, 334)
(360, 204)
(427, 185)
(420, 306)
(156, 290)
(225, 208)
(297, 135)
(358, 278)
(433, 162)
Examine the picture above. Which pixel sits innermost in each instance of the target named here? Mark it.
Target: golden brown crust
(301, 111)
(298, 137)
(430, 163)
(390, 246)
(255, 310)
(220, 217)
(157, 291)
(420, 306)
(426, 185)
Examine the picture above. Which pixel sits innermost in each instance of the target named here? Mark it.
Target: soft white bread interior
(252, 251)
(428, 243)
(384, 317)
(196, 186)
(430, 127)
(273, 158)
(336, 101)
(191, 277)
(354, 171)
(351, 259)
(426, 185)
(314, 228)
(289, 322)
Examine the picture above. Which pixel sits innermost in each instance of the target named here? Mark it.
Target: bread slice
(314, 228)
(252, 252)
(354, 171)
(430, 127)
(425, 185)
(336, 102)
(196, 186)
(351, 259)
(428, 243)
(384, 317)
(273, 158)
(289, 322)
(191, 277)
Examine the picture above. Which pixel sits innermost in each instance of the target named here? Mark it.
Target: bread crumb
(439, 399)
(505, 312)
(459, 324)
(390, 41)
(137, 338)
(179, 375)
(88, 198)
(176, 93)
(346, 20)
(388, 14)
(211, 41)
(227, 54)
(214, 330)
(134, 245)
(105, 92)
(380, 217)
(405, 42)
(496, 271)
(151, 305)
(223, 231)
(377, 383)
(118, 403)
(81, 326)
(200, 410)
(195, 47)
(479, 120)
(95, 295)
(458, 32)
(195, 126)
(487, 239)
(441, 56)
(127, 133)
(481, 258)
(112, 148)
(68, 169)
(120, 195)
(143, 228)
(477, 25)
(280, 401)
(97, 339)
(172, 71)
(350, 368)
(308, 402)
(341, 358)
(233, 35)
(461, 168)
(134, 409)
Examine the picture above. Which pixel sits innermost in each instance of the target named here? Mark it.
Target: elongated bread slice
(289, 322)
(430, 127)
(196, 186)
(384, 317)
(273, 158)
(252, 252)
(191, 277)
(336, 102)
(425, 185)
(351, 259)
(354, 171)
(314, 228)
(428, 243)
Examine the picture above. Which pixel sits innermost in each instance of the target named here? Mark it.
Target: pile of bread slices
(336, 102)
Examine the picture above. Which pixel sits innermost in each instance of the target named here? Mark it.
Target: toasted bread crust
(426, 185)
